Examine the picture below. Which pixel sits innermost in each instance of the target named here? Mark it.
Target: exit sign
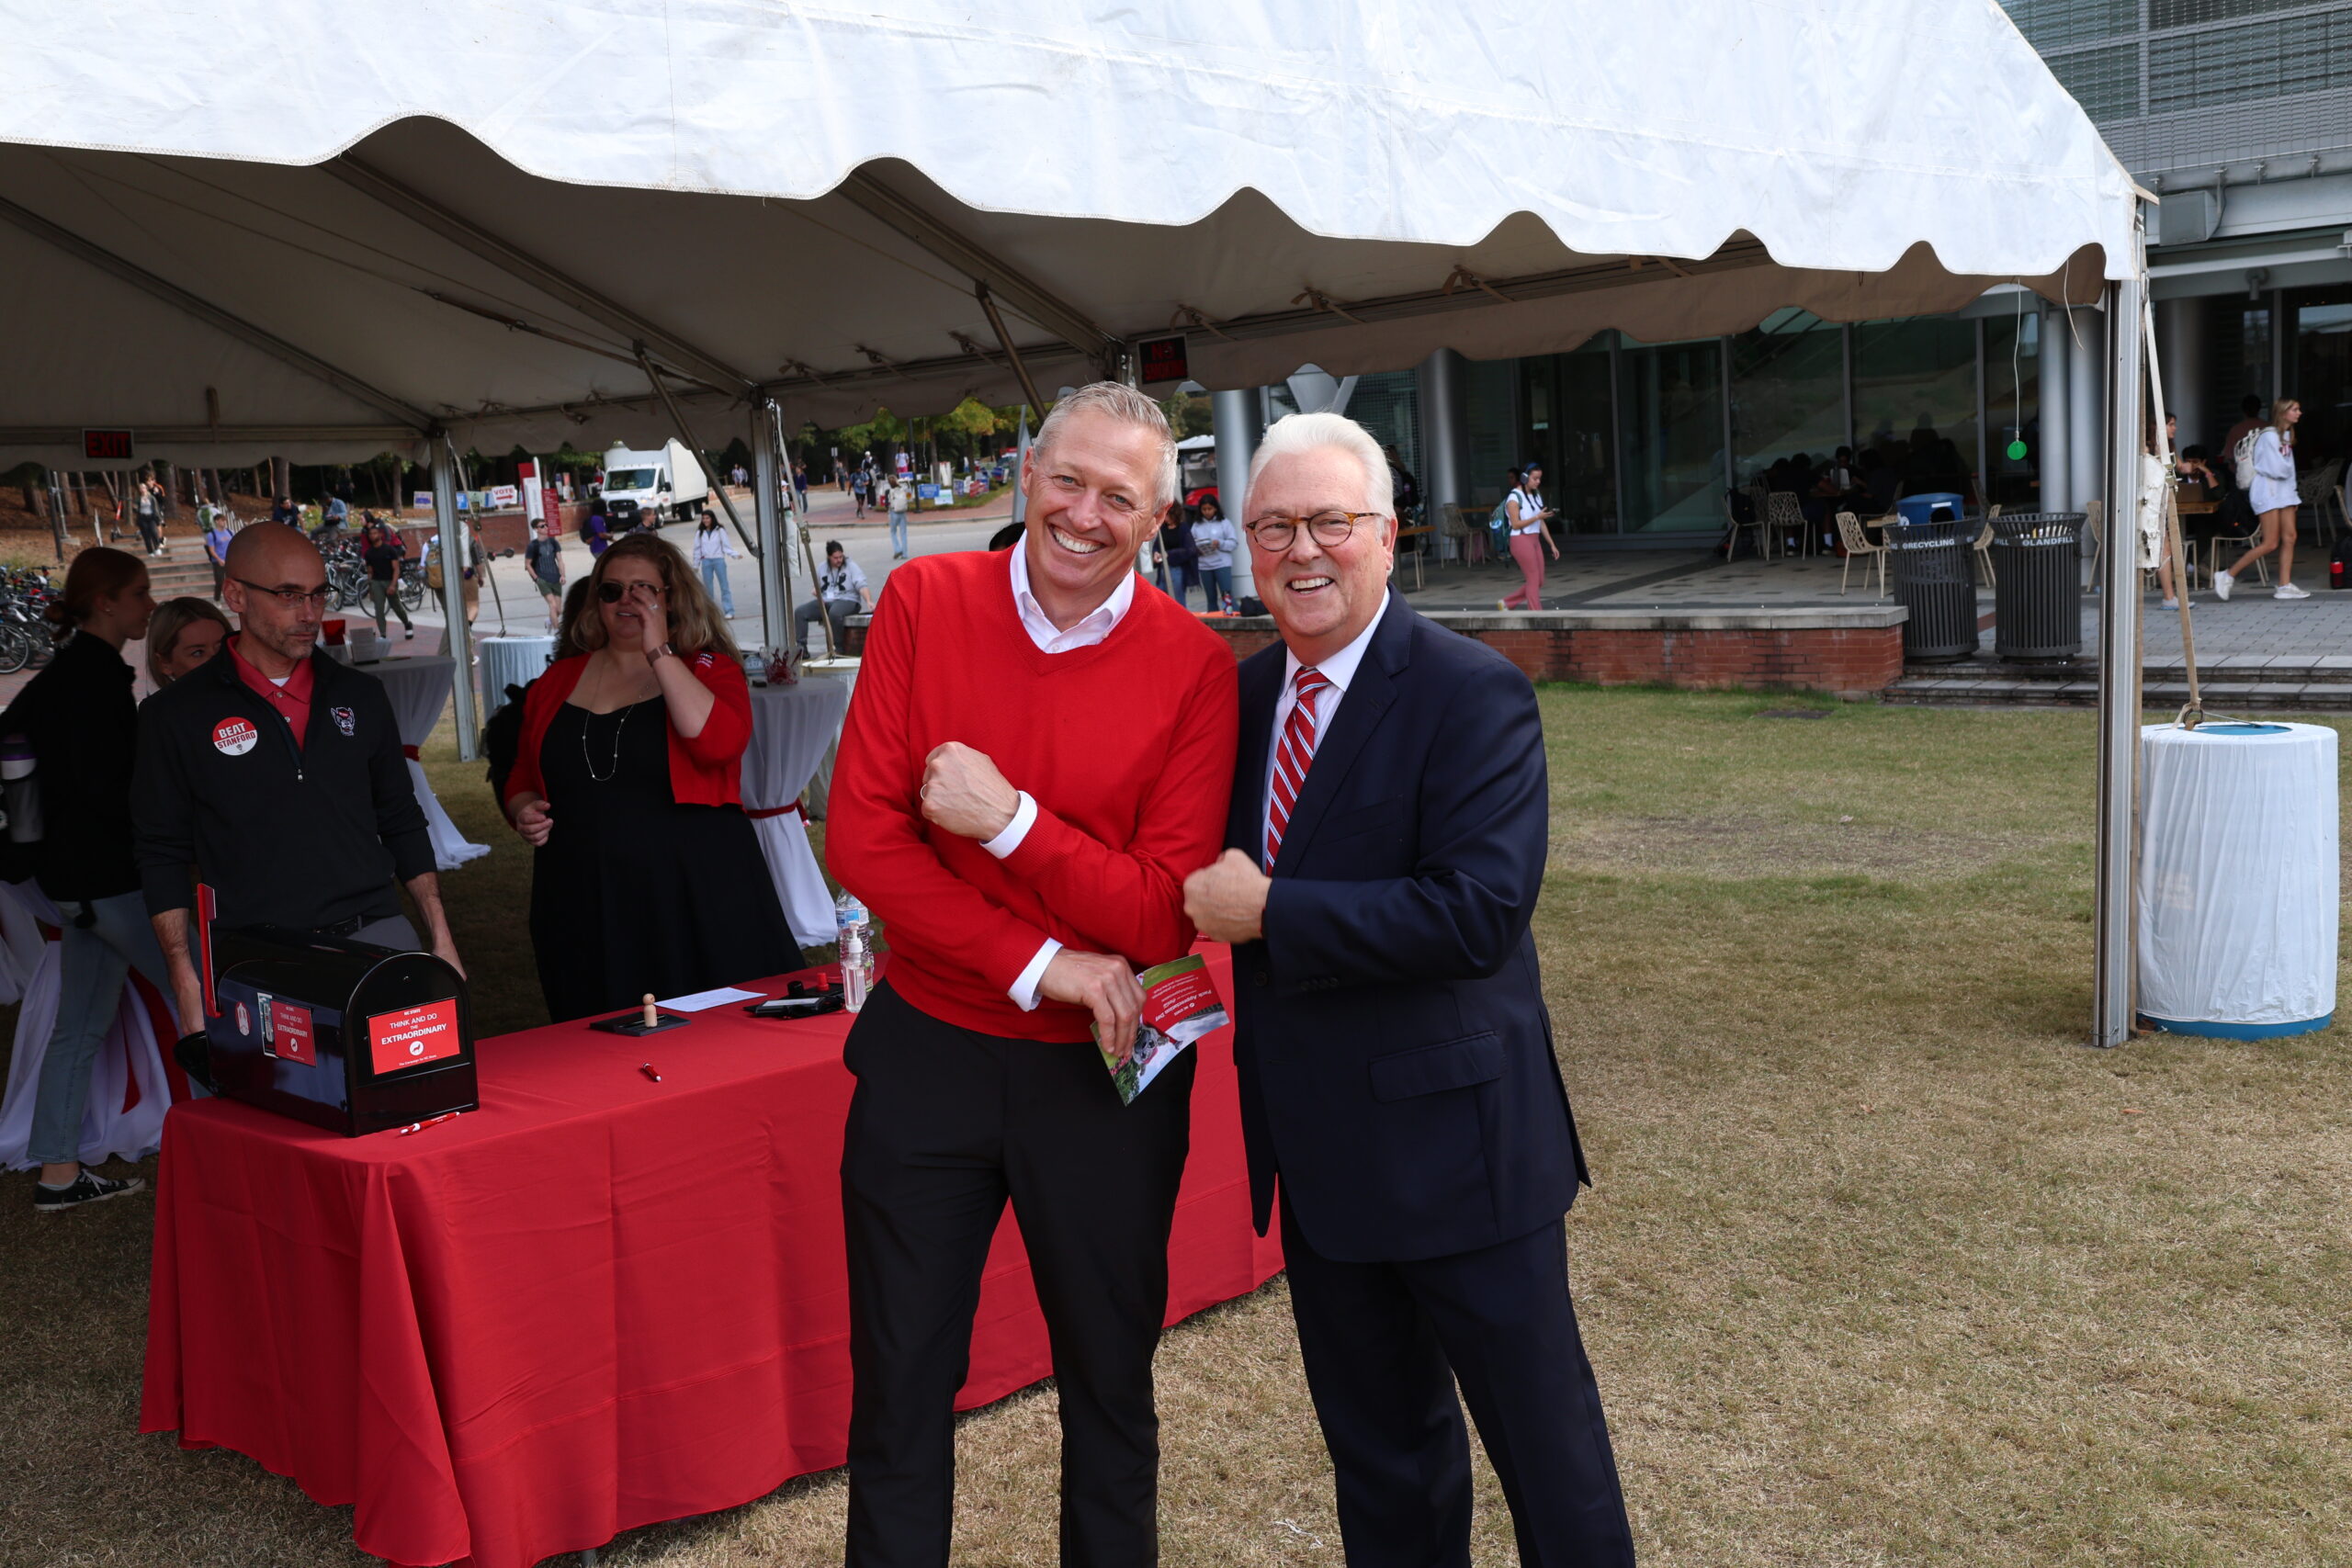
(1161, 359)
(106, 446)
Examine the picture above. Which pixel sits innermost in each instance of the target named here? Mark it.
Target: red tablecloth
(594, 1303)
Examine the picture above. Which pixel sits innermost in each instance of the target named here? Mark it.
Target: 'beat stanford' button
(236, 736)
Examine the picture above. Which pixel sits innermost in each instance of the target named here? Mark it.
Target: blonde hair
(1298, 433)
(172, 618)
(2278, 418)
(695, 624)
(1124, 403)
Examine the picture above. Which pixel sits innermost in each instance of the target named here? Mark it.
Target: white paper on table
(702, 1001)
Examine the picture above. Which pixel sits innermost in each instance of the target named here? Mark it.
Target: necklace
(615, 766)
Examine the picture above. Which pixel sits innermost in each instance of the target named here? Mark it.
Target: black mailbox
(346, 1035)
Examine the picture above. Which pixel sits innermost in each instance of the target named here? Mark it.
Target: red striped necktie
(1291, 755)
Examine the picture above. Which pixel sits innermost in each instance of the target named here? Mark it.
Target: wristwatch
(656, 655)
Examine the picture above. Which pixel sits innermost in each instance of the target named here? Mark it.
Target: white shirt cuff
(1024, 817)
(1024, 989)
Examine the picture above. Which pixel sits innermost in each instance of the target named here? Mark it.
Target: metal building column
(1445, 434)
(1237, 429)
(2054, 461)
(2180, 347)
(2086, 407)
(452, 551)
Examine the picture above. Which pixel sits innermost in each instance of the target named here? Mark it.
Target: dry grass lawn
(1883, 1266)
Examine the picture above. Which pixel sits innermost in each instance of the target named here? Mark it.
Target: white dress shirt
(1097, 624)
(1340, 669)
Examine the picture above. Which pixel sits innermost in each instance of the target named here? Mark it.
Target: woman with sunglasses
(627, 782)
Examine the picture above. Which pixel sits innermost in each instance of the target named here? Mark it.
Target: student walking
(902, 496)
(383, 553)
(1531, 535)
(1214, 543)
(2275, 500)
(712, 548)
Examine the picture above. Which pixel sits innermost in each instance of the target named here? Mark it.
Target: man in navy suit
(1389, 828)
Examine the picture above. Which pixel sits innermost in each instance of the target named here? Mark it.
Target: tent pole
(1004, 341)
(451, 549)
(711, 476)
(2119, 716)
(774, 561)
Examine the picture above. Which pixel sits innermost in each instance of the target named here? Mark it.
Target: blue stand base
(2238, 1031)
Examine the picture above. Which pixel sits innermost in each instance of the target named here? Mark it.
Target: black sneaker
(87, 1188)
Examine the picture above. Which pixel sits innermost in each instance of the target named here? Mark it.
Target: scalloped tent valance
(239, 237)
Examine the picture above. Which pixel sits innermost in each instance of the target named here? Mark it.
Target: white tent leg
(2119, 643)
(452, 551)
(768, 476)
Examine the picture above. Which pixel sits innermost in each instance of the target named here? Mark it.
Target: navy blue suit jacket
(1395, 1051)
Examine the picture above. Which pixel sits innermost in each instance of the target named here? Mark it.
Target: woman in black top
(79, 721)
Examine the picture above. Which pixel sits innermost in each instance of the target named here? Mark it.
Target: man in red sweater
(1038, 755)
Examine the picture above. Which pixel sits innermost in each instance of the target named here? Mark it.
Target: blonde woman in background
(2275, 500)
(182, 636)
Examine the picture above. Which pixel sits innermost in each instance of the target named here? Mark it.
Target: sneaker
(2289, 590)
(2221, 584)
(87, 1188)
(2172, 604)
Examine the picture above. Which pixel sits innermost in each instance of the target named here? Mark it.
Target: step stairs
(2233, 684)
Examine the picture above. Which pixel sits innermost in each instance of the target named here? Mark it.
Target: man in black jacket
(274, 775)
(1389, 818)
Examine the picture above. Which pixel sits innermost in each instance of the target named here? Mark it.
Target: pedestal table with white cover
(123, 1116)
(509, 661)
(791, 726)
(419, 689)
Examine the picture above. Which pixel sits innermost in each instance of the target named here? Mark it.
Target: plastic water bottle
(856, 937)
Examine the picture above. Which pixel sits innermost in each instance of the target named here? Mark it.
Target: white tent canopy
(239, 234)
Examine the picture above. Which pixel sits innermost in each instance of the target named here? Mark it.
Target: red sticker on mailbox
(413, 1036)
(293, 1039)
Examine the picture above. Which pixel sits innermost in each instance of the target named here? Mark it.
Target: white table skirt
(844, 669)
(129, 1055)
(419, 689)
(791, 726)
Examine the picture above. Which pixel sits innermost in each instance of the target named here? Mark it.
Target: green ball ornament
(2017, 451)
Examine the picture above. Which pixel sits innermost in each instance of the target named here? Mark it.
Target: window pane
(2048, 24)
(2106, 82)
(1671, 401)
(1914, 399)
(2262, 60)
(1788, 391)
(1564, 401)
(1389, 405)
(2321, 373)
(1489, 391)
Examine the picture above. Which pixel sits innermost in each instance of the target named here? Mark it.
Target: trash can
(2037, 585)
(1932, 580)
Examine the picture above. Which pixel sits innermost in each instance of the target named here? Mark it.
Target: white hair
(1296, 434)
(1124, 403)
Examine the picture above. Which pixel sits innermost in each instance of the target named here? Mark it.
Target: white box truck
(660, 486)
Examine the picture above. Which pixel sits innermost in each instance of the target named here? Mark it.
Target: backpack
(1498, 525)
(2242, 459)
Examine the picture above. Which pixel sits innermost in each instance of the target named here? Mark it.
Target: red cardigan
(705, 771)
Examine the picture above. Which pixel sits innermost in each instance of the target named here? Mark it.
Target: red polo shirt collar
(291, 702)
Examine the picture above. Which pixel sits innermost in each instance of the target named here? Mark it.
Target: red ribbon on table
(791, 810)
(410, 752)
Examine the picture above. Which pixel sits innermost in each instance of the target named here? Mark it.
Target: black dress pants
(1384, 1345)
(946, 1125)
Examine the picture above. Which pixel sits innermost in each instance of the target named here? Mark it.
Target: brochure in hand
(1179, 1005)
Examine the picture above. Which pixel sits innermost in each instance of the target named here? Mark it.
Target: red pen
(647, 1070)
(429, 1122)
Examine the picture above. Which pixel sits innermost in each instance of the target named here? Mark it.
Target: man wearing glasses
(274, 776)
(1387, 831)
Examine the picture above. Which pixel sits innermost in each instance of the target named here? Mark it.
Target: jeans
(898, 532)
(837, 610)
(91, 967)
(713, 577)
(381, 594)
(1218, 581)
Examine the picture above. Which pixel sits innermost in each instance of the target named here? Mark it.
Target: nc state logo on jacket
(346, 720)
(236, 736)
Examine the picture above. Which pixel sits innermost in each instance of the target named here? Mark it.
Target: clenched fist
(1226, 899)
(962, 793)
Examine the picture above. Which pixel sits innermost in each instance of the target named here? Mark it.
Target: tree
(1188, 414)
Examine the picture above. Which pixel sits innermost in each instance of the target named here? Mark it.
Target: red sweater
(1126, 746)
(705, 771)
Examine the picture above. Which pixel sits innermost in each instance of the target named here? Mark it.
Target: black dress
(633, 892)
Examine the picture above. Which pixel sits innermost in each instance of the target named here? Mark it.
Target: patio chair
(1984, 548)
(1858, 546)
(1755, 524)
(1787, 515)
(2317, 490)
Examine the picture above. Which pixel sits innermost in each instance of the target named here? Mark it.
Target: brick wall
(1850, 653)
